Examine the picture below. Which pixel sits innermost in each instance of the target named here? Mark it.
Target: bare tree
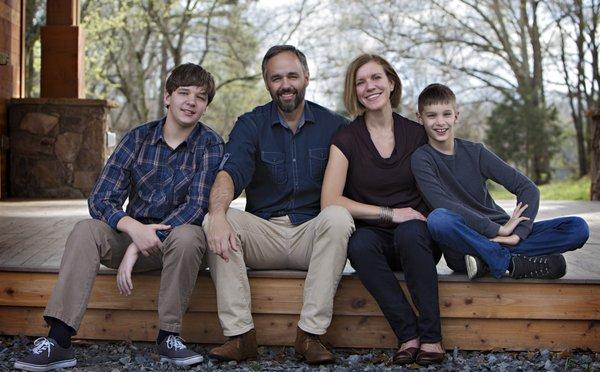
(496, 45)
(35, 17)
(577, 23)
(132, 45)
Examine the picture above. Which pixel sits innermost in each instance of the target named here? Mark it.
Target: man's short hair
(353, 105)
(276, 49)
(434, 94)
(191, 74)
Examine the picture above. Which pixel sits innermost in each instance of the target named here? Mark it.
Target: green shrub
(557, 190)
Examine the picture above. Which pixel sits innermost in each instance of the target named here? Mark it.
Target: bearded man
(277, 153)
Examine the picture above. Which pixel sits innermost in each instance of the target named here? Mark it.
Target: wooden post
(595, 166)
(12, 41)
(62, 51)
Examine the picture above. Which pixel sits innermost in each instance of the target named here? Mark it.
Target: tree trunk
(595, 168)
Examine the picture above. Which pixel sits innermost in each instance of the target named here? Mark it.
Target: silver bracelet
(386, 214)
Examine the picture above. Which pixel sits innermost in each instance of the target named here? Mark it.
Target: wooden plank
(345, 331)
(32, 256)
(40, 257)
(10, 34)
(12, 15)
(284, 296)
(29, 237)
(29, 217)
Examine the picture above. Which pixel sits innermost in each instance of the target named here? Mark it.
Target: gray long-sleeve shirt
(458, 183)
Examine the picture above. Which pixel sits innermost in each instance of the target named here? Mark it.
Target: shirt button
(294, 159)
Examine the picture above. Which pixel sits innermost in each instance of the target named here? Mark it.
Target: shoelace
(42, 344)
(174, 342)
(537, 266)
(316, 339)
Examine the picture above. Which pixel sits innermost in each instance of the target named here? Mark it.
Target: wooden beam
(62, 73)
(508, 300)
(345, 331)
(62, 12)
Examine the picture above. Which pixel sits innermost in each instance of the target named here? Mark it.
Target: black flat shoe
(425, 358)
(406, 356)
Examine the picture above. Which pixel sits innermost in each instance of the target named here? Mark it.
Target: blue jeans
(456, 240)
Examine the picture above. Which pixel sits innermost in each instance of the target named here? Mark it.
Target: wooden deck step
(487, 314)
(515, 315)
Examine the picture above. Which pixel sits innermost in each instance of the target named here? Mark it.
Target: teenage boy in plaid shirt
(165, 168)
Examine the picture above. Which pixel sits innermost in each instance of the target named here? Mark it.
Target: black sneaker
(551, 266)
(476, 268)
(173, 350)
(47, 355)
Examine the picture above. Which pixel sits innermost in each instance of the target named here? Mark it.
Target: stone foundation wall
(57, 146)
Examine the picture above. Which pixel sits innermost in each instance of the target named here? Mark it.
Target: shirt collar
(158, 131)
(189, 141)
(307, 115)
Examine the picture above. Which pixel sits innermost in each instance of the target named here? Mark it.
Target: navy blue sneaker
(173, 350)
(47, 355)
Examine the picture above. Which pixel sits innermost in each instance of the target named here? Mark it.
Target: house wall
(11, 72)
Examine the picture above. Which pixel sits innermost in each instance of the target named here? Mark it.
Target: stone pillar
(62, 51)
(58, 146)
(595, 166)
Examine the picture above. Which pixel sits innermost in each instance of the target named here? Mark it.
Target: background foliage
(526, 72)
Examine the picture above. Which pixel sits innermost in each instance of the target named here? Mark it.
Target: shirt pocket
(275, 164)
(145, 180)
(317, 161)
(184, 181)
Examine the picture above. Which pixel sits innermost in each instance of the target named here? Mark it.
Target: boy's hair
(353, 105)
(191, 74)
(276, 49)
(436, 94)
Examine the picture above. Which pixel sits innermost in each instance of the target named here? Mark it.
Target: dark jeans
(375, 253)
(456, 239)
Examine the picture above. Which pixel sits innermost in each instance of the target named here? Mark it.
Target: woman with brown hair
(369, 174)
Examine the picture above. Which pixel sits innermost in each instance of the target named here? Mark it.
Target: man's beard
(288, 106)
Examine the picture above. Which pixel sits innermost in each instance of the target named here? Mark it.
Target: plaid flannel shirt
(164, 185)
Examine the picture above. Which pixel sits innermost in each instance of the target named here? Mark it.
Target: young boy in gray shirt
(475, 234)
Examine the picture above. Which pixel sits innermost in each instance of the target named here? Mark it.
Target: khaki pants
(318, 245)
(93, 242)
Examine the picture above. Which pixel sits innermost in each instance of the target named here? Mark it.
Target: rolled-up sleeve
(112, 187)
(238, 160)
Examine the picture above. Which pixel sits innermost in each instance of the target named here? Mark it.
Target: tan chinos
(318, 246)
(93, 242)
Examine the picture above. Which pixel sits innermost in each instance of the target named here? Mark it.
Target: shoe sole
(46, 367)
(183, 361)
(314, 362)
(220, 358)
(426, 363)
(471, 264)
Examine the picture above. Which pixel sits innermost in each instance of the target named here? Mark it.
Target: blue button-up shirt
(164, 185)
(281, 171)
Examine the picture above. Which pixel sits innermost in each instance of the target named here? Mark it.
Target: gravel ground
(140, 356)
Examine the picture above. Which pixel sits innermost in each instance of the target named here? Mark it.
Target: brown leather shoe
(238, 348)
(406, 356)
(425, 358)
(311, 348)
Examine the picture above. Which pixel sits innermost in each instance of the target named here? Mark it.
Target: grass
(557, 190)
